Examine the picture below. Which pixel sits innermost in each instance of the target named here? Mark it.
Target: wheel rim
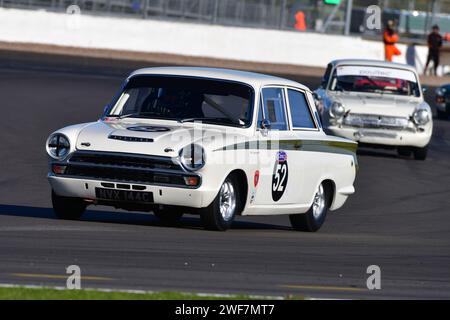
(227, 200)
(319, 202)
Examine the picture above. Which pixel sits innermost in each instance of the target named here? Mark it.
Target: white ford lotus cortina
(376, 103)
(213, 142)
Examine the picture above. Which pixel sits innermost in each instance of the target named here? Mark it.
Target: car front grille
(132, 168)
(375, 121)
(124, 160)
(124, 175)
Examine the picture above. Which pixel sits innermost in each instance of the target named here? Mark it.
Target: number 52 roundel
(280, 176)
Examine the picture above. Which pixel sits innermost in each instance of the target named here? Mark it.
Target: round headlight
(421, 117)
(192, 157)
(58, 146)
(337, 110)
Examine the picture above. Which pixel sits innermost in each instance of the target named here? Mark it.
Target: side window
(300, 112)
(274, 108)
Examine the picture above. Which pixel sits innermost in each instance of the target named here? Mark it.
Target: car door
(274, 131)
(307, 136)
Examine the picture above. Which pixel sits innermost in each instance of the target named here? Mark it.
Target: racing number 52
(280, 177)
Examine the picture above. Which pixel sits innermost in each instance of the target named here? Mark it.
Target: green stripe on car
(338, 147)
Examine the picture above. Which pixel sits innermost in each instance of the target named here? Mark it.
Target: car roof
(375, 63)
(256, 80)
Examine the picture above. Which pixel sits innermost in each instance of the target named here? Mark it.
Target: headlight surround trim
(337, 110)
(192, 157)
(421, 117)
(58, 146)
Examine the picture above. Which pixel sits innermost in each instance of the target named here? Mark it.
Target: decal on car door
(280, 176)
(256, 178)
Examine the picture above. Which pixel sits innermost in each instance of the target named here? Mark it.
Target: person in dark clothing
(434, 48)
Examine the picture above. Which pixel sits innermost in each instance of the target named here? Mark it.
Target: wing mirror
(265, 124)
(424, 90)
(318, 101)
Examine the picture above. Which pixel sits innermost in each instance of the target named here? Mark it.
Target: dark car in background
(442, 101)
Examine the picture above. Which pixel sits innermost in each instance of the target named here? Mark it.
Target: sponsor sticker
(282, 156)
(256, 178)
(280, 176)
(369, 71)
(252, 198)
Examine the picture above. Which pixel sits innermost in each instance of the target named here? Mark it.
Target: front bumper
(383, 136)
(164, 195)
(84, 171)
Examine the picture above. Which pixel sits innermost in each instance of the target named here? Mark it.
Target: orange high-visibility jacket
(390, 49)
(300, 21)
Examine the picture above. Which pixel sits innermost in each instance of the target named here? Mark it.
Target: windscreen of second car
(369, 79)
(186, 99)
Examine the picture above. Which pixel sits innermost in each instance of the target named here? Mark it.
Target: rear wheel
(168, 216)
(68, 208)
(313, 219)
(219, 215)
(420, 153)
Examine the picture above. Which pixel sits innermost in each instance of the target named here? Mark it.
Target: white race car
(213, 142)
(376, 103)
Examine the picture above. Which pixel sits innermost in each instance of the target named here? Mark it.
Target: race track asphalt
(399, 218)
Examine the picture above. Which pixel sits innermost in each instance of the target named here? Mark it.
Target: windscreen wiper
(213, 119)
(128, 115)
(136, 114)
(118, 116)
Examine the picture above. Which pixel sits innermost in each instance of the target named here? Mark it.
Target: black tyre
(68, 208)
(404, 151)
(168, 216)
(313, 219)
(420, 153)
(219, 215)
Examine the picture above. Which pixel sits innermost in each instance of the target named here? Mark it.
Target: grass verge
(21, 293)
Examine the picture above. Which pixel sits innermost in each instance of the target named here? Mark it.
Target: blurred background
(306, 33)
(414, 17)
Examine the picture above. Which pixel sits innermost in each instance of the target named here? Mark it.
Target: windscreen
(186, 99)
(375, 80)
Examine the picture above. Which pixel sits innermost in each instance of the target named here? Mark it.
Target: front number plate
(123, 195)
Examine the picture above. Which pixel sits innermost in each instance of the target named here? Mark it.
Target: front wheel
(68, 208)
(404, 151)
(313, 219)
(219, 215)
(168, 216)
(420, 153)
